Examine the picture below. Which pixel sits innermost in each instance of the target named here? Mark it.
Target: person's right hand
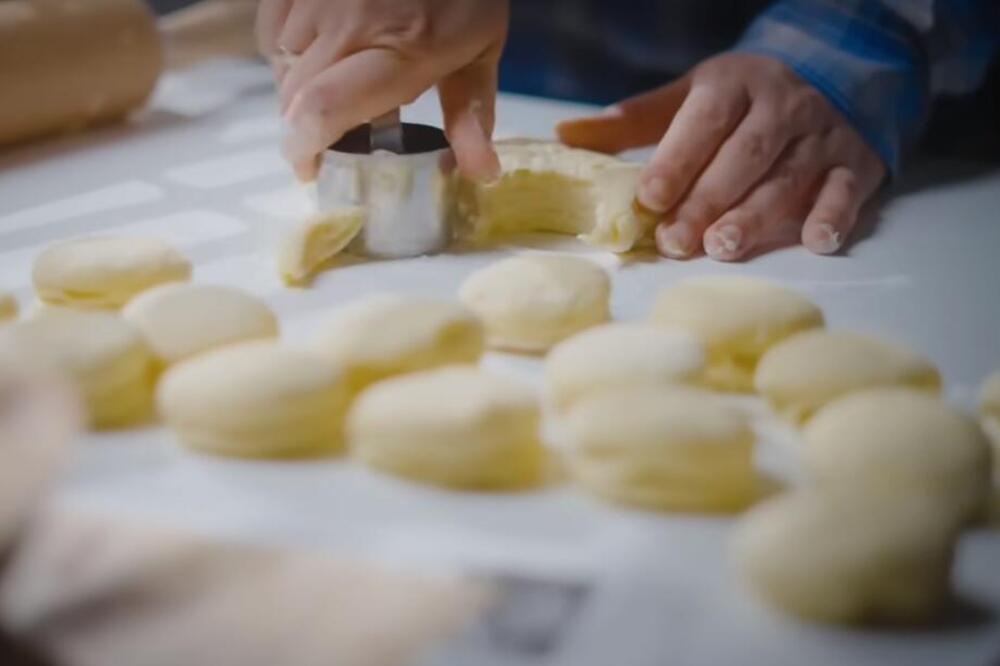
(358, 59)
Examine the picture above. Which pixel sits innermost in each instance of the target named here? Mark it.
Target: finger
(773, 208)
(271, 17)
(835, 212)
(299, 30)
(322, 53)
(706, 118)
(351, 92)
(468, 102)
(633, 123)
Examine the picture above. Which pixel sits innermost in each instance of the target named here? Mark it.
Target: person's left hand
(748, 155)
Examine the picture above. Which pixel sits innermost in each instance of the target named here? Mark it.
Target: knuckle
(755, 145)
(804, 106)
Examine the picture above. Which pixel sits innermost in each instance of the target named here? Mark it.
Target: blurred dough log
(70, 64)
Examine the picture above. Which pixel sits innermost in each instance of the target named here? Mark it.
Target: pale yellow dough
(8, 307)
(807, 371)
(620, 355)
(390, 335)
(551, 187)
(530, 302)
(900, 441)
(105, 272)
(666, 448)
(305, 250)
(104, 357)
(456, 427)
(842, 556)
(737, 319)
(989, 410)
(256, 399)
(182, 320)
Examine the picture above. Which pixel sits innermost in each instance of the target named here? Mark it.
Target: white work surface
(202, 169)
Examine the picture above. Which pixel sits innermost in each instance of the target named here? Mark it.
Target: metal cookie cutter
(402, 175)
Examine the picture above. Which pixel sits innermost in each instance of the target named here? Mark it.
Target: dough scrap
(620, 355)
(989, 411)
(100, 353)
(310, 245)
(901, 441)
(256, 400)
(457, 427)
(105, 272)
(390, 335)
(737, 318)
(547, 186)
(848, 557)
(530, 302)
(806, 371)
(666, 448)
(8, 307)
(181, 320)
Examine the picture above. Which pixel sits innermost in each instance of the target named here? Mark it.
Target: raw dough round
(530, 302)
(618, 356)
(105, 272)
(848, 557)
(809, 370)
(181, 320)
(256, 399)
(391, 335)
(8, 307)
(456, 427)
(101, 353)
(900, 440)
(669, 448)
(737, 318)
(989, 410)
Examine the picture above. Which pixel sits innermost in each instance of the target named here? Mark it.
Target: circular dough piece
(391, 335)
(989, 410)
(737, 318)
(668, 448)
(457, 427)
(902, 441)
(620, 355)
(8, 307)
(530, 302)
(104, 356)
(181, 320)
(809, 370)
(848, 557)
(256, 400)
(105, 272)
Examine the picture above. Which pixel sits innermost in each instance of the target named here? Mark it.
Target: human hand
(748, 155)
(358, 59)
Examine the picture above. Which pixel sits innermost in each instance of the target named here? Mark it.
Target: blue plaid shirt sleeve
(881, 62)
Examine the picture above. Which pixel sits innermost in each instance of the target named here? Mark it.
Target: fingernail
(613, 111)
(826, 239)
(675, 240)
(724, 243)
(654, 194)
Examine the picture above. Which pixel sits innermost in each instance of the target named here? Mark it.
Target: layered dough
(256, 399)
(457, 427)
(8, 307)
(620, 355)
(809, 370)
(305, 250)
(989, 411)
(737, 319)
(665, 448)
(844, 556)
(547, 186)
(105, 272)
(901, 441)
(182, 320)
(104, 357)
(530, 302)
(390, 335)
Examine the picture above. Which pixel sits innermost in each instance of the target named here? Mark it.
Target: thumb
(636, 122)
(468, 102)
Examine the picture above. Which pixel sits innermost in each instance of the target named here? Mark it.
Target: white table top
(202, 170)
